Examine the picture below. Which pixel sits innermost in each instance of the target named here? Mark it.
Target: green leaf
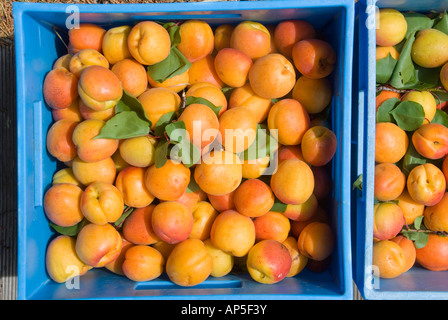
(174, 32)
(404, 72)
(185, 152)
(411, 159)
(408, 115)
(161, 153)
(69, 231)
(358, 183)
(385, 68)
(200, 100)
(279, 206)
(416, 22)
(126, 212)
(130, 103)
(163, 122)
(418, 222)
(176, 131)
(420, 238)
(192, 186)
(174, 64)
(383, 114)
(442, 24)
(440, 117)
(126, 124)
(263, 145)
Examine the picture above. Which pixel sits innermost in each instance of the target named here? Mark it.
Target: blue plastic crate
(417, 283)
(37, 47)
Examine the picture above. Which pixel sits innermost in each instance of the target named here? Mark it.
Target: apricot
(233, 232)
(99, 88)
(290, 119)
(392, 27)
(434, 255)
(245, 97)
(293, 183)
(203, 70)
(88, 113)
(222, 261)
(65, 175)
(60, 88)
(218, 173)
(304, 211)
(63, 61)
(87, 36)
(143, 263)
(319, 146)
(314, 58)
(137, 227)
(389, 183)
(316, 241)
(411, 209)
(408, 249)
(88, 148)
(197, 39)
(131, 183)
(436, 217)
(272, 225)
(132, 75)
(157, 102)
(210, 92)
(59, 141)
(289, 152)
(62, 204)
(391, 142)
(222, 202)
(164, 248)
(314, 94)
(138, 151)
(222, 35)
(172, 221)
(232, 67)
(72, 112)
(298, 260)
(268, 261)
(149, 42)
(98, 245)
(387, 220)
(252, 38)
(320, 215)
(189, 263)
(116, 266)
(431, 140)
(176, 83)
(115, 44)
(88, 172)
(203, 216)
(272, 76)
(426, 184)
(237, 129)
(255, 168)
(389, 258)
(253, 198)
(101, 203)
(61, 261)
(190, 199)
(85, 58)
(201, 124)
(168, 182)
(289, 32)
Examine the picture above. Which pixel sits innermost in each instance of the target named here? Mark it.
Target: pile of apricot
(140, 218)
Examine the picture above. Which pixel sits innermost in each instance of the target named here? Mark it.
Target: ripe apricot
(60, 88)
(319, 145)
(131, 183)
(392, 27)
(137, 227)
(203, 70)
(157, 102)
(237, 129)
(252, 38)
(390, 181)
(391, 142)
(59, 141)
(299, 261)
(88, 172)
(434, 255)
(143, 263)
(314, 58)
(272, 76)
(176, 83)
(389, 258)
(169, 181)
(197, 39)
(62, 204)
(316, 241)
(85, 58)
(408, 249)
(115, 44)
(303, 211)
(387, 220)
(138, 151)
(290, 119)
(289, 32)
(222, 202)
(426, 184)
(245, 97)
(222, 35)
(203, 216)
(87, 36)
(132, 75)
(210, 92)
(436, 217)
(411, 209)
(232, 67)
(272, 225)
(72, 112)
(253, 198)
(314, 94)
(88, 113)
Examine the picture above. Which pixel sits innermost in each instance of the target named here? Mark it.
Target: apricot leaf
(408, 115)
(164, 120)
(130, 103)
(411, 159)
(442, 24)
(358, 183)
(383, 114)
(176, 131)
(174, 64)
(69, 231)
(126, 212)
(185, 152)
(174, 32)
(191, 100)
(193, 185)
(440, 117)
(385, 68)
(279, 206)
(263, 145)
(124, 125)
(161, 153)
(417, 21)
(419, 238)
